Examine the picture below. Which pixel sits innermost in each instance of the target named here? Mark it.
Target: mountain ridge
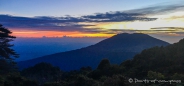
(117, 49)
(167, 60)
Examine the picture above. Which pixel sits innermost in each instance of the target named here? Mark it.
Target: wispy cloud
(118, 17)
(158, 9)
(170, 28)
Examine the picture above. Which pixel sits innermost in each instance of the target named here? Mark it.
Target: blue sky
(30, 8)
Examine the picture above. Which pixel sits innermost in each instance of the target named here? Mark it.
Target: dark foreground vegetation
(165, 65)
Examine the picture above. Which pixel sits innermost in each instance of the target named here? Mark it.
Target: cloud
(42, 23)
(69, 23)
(168, 28)
(118, 17)
(158, 9)
(156, 30)
(176, 17)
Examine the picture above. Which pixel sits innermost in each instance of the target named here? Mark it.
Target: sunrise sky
(93, 18)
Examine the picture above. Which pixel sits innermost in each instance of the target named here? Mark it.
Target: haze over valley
(30, 48)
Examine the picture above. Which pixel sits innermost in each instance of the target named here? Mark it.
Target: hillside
(167, 60)
(117, 49)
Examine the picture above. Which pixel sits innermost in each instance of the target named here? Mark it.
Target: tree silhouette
(7, 54)
(5, 51)
(104, 64)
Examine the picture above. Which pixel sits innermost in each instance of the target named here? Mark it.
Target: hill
(117, 49)
(166, 60)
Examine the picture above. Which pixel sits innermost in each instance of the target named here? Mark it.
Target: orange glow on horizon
(38, 34)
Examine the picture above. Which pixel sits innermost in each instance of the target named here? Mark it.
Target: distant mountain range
(117, 49)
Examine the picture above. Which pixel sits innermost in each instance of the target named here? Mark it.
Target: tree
(155, 75)
(43, 72)
(103, 69)
(7, 54)
(5, 51)
(104, 64)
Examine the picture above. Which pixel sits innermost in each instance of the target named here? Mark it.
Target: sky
(163, 19)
